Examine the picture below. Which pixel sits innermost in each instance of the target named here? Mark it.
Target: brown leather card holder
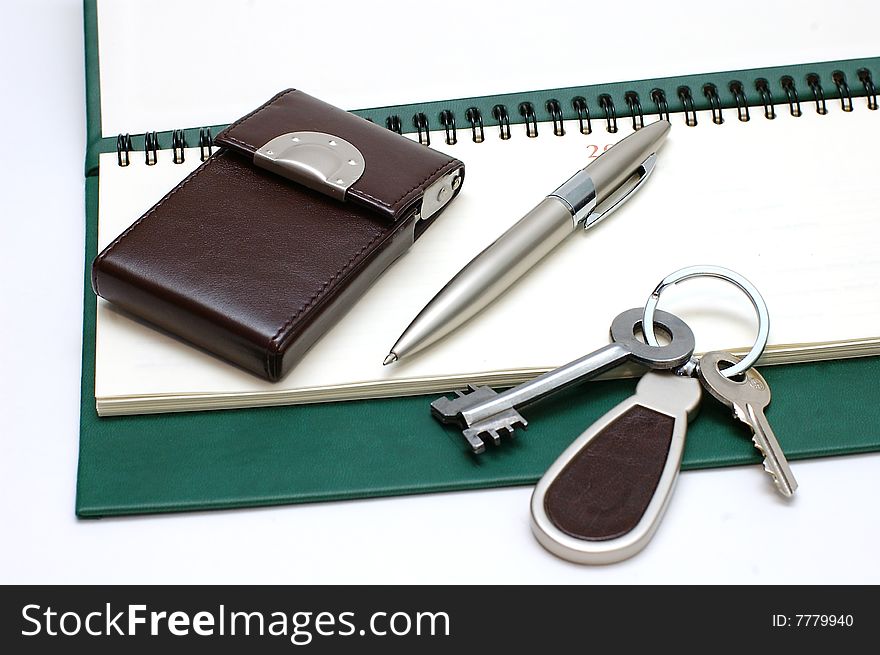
(260, 250)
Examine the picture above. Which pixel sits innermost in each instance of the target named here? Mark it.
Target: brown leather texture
(247, 265)
(605, 489)
(397, 169)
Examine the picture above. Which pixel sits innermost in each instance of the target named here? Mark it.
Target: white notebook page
(791, 203)
(168, 64)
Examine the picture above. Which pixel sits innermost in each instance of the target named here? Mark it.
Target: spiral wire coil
(578, 110)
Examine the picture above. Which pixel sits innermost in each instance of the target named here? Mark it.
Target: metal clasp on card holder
(439, 193)
(317, 160)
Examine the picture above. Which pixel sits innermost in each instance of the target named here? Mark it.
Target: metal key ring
(723, 274)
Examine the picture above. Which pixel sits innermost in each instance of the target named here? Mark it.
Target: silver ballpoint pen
(587, 197)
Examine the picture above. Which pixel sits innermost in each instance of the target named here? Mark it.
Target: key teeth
(764, 463)
(477, 445)
(448, 410)
(504, 424)
(440, 409)
(477, 437)
(768, 469)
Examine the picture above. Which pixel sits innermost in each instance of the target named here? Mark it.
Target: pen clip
(624, 193)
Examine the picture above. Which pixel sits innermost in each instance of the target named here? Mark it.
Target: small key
(602, 499)
(748, 398)
(484, 413)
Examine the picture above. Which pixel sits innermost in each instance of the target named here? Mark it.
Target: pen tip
(390, 359)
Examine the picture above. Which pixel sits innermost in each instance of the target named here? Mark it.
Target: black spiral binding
(123, 149)
(843, 93)
(870, 92)
(659, 99)
(555, 111)
(447, 120)
(794, 103)
(583, 112)
(635, 109)
(206, 143)
(527, 111)
(475, 118)
(739, 97)
(420, 121)
(393, 123)
(554, 108)
(178, 144)
(711, 93)
(818, 93)
(503, 118)
(687, 101)
(151, 147)
(606, 102)
(763, 89)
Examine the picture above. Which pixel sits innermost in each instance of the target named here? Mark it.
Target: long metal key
(485, 413)
(747, 398)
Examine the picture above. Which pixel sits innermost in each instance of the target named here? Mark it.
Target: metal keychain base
(663, 392)
(600, 502)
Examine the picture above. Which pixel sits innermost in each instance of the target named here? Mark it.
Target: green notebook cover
(269, 456)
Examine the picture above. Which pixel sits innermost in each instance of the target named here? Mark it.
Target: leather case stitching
(101, 257)
(417, 186)
(273, 342)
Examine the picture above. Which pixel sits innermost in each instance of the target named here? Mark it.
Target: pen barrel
(613, 167)
(490, 273)
(526, 243)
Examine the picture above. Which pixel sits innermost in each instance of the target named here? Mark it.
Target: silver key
(484, 413)
(748, 398)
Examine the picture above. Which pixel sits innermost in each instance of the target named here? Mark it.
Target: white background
(722, 526)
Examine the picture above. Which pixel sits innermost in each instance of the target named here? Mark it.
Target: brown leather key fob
(603, 498)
